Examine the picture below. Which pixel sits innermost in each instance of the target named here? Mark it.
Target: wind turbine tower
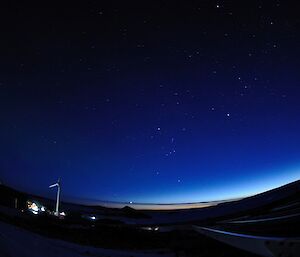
(57, 184)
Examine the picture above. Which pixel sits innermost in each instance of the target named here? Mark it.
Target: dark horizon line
(125, 203)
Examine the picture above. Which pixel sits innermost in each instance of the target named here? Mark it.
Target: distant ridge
(282, 190)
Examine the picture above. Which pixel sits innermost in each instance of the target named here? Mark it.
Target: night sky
(150, 101)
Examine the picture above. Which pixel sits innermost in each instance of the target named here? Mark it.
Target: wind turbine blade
(54, 185)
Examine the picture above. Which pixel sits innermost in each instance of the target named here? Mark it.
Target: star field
(150, 102)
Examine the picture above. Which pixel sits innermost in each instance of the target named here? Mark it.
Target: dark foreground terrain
(275, 213)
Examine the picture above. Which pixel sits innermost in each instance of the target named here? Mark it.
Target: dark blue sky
(152, 101)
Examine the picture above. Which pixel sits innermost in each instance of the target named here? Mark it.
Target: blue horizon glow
(239, 190)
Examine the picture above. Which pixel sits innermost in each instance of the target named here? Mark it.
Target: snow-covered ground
(17, 242)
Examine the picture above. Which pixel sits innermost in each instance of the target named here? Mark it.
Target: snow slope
(17, 242)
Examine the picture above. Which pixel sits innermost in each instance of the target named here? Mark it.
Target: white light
(35, 212)
(93, 217)
(62, 213)
(33, 207)
(43, 208)
(147, 228)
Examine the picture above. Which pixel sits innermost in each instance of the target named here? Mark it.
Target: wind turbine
(57, 184)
